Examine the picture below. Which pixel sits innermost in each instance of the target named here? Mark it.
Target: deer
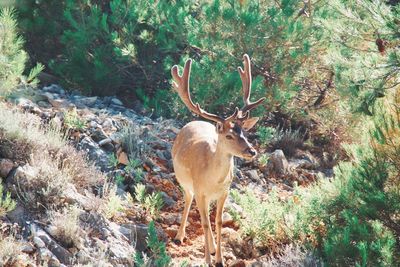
(203, 156)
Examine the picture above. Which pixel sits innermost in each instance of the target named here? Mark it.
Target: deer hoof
(219, 264)
(177, 241)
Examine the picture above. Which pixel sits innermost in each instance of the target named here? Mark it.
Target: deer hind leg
(218, 227)
(182, 228)
(203, 205)
(210, 236)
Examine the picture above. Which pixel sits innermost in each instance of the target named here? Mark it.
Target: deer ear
(220, 127)
(249, 123)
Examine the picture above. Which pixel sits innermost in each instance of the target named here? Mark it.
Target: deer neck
(223, 161)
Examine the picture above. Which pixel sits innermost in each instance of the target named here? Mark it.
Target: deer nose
(251, 151)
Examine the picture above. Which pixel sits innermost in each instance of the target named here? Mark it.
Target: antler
(245, 76)
(181, 85)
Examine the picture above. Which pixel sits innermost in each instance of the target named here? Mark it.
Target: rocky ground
(98, 127)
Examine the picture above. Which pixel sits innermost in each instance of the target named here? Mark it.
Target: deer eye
(229, 137)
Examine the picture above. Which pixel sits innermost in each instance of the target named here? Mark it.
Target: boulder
(278, 163)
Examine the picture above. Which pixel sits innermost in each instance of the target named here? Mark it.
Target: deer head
(230, 130)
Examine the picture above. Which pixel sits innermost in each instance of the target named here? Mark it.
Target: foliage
(151, 203)
(113, 161)
(6, 203)
(72, 120)
(114, 203)
(364, 51)
(159, 256)
(134, 168)
(119, 179)
(265, 134)
(288, 140)
(350, 220)
(12, 56)
(263, 159)
(121, 45)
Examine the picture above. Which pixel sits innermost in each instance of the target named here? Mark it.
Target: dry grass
(27, 127)
(46, 186)
(65, 226)
(10, 249)
(75, 164)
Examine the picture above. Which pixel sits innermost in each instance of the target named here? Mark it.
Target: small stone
(88, 101)
(116, 101)
(6, 166)
(253, 175)
(116, 138)
(44, 104)
(105, 141)
(123, 158)
(107, 123)
(172, 218)
(227, 218)
(99, 135)
(28, 248)
(167, 200)
(39, 242)
(59, 103)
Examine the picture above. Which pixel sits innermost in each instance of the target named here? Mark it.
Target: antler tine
(245, 76)
(181, 85)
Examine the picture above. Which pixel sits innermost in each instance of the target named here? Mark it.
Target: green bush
(158, 252)
(12, 56)
(363, 51)
(121, 45)
(6, 203)
(350, 220)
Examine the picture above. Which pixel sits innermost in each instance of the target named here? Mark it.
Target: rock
(28, 248)
(107, 123)
(116, 101)
(39, 242)
(137, 234)
(226, 218)
(6, 165)
(123, 158)
(54, 88)
(116, 137)
(167, 200)
(18, 215)
(21, 174)
(172, 218)
(59, 103)
(278, 162)
(46, 96)
(61, 253)
(48, 258)
(95, 153)
(99, 135)
(71, 196)
(44, 104)
(106, 144)
(88, 101)
(239, 263)
(253, 175)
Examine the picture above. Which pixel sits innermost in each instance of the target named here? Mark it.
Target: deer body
(203, 154)
(197, 155)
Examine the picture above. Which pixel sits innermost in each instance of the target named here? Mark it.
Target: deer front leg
(203, 206)
(218, 227)
(180, 235)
